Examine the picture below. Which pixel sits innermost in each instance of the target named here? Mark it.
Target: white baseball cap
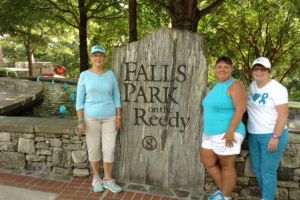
(262, 61)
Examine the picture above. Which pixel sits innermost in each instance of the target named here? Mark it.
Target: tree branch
(100, 9)
(67, 22)
(106, 17)
(202, 13)
(294, 65)
(162, 5)
(236, 44)
(244, 58)
(281, 37)
(268, 36)
(59, 8)
(278, 55)
(90, 3)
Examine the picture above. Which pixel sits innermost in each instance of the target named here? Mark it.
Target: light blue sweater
(98, 94)
(219, 110)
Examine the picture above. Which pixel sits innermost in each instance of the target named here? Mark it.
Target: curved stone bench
(18, 94)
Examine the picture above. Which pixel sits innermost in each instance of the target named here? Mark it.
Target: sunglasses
(262, 69)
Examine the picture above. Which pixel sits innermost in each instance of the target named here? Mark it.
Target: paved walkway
(16, 187)
(14, 193)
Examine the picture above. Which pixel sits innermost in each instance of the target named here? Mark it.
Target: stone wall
(294, 111)
(38, 69)
(48, 146)
(52, 146)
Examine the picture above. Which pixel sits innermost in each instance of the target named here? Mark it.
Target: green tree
(249, 29)
(61, 49)
(77, 14)
(116, 34)
(24, 26)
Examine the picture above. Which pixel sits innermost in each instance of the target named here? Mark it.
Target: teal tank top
(219, 110)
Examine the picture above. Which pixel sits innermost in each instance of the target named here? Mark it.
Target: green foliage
(21, 21)
(150, 18)
(52, 32)
(110, 35)
(244, 30)
(23, 24)
(4, 72)
(114, 34)
(62, 49)
(12, 50)
(78, 14)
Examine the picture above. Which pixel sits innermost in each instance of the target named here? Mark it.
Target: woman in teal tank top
(224, 132)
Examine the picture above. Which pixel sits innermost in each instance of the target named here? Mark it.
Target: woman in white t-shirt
(267, 108)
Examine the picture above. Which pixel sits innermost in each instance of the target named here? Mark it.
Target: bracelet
(276, 136)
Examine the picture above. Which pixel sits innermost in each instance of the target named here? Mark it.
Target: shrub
(4, 72)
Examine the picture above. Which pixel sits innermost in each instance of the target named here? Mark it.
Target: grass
(294, 104)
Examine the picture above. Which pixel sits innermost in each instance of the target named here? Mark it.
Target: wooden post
(163, 80)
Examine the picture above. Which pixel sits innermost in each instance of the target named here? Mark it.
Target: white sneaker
(111, 185)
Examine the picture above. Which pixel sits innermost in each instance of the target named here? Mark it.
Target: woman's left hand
(118, 123)
(273, 145)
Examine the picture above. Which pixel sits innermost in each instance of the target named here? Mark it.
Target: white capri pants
(101, 133)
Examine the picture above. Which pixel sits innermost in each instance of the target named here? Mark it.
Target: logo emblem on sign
(149, 143)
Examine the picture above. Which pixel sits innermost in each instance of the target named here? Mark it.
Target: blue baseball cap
(98, 49)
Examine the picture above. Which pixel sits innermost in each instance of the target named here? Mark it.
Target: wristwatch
(276, 136)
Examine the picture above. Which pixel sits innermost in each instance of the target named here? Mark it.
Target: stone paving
(80, 188)
(14, 193)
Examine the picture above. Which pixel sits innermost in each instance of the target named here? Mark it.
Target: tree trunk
(132, 21)
(83, 52)
(184, 15)
(29, 57)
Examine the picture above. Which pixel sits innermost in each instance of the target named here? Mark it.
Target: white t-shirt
(262, 113)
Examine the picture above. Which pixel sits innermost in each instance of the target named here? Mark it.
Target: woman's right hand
(229, 139)
(81, 129)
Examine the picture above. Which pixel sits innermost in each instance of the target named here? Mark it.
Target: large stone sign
(162, 80)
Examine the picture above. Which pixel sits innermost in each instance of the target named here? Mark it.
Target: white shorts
(217, 144)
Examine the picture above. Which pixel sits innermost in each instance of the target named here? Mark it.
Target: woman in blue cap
(98, 108)
(267, 126)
